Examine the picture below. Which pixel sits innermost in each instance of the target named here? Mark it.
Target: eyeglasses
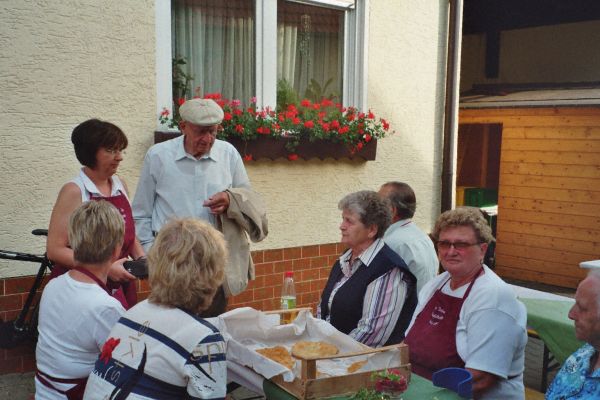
(114, 152)
(445, 245)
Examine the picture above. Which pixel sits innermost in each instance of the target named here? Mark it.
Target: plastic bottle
(288, 297)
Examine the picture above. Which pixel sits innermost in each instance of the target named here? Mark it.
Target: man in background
(404, 236)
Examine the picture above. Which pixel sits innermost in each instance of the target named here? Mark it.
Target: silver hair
(371, 209)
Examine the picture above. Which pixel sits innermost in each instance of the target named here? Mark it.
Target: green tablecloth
(418, 389)
(549, 318)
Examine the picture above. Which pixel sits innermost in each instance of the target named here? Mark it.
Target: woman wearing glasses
(467, 317)
(99, 147)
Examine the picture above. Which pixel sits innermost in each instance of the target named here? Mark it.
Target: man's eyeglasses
(445, 245)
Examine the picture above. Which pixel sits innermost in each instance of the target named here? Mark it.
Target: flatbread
(356, 366)
(278, 354)
(305, 349)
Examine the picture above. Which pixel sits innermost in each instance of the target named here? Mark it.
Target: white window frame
(355, 52)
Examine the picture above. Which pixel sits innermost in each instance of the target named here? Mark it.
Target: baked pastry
(356, 366)
(305, 349)
(278, 354)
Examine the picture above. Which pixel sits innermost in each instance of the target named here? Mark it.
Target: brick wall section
(310, 264)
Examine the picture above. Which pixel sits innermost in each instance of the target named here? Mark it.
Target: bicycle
(13, 333)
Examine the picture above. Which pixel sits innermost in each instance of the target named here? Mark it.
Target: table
(418, 389)
(548, 320)
(547, 314)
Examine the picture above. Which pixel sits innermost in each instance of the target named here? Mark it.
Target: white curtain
(310, 47)
(216, 38)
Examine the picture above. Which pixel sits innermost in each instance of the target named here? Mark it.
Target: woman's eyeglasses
(445, 245)
(114, 152)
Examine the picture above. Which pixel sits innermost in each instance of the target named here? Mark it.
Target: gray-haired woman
(370, 294)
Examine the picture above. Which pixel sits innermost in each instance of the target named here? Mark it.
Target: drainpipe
(451, 104)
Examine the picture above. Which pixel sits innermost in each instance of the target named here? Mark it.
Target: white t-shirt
(74, 322)
(491, 332)
(185, 354)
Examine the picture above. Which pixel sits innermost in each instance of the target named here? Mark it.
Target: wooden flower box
(272, 148)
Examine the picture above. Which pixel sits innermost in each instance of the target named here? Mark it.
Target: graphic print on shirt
(437, 315)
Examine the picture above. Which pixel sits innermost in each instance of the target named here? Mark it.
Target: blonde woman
(77, 310)
(161, 348)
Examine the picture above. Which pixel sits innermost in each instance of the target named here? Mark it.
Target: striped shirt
(383, 299)
(162, 353)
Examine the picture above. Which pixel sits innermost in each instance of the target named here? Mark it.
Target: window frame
(354, 62)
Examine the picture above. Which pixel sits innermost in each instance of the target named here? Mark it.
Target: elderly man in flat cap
(197, 175)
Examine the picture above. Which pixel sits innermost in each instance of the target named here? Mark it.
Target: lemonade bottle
(288, 297)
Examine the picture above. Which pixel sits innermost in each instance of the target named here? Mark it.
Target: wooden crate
(308, 386)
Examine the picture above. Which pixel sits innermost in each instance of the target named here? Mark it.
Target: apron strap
(94, 278)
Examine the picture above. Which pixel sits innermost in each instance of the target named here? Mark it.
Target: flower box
(272, 148)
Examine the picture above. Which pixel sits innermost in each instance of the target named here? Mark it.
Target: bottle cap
(289, 274)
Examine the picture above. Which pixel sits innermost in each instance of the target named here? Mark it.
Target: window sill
(271, 148)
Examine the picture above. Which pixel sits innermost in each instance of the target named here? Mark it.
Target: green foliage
(315, 93)
(286, 95)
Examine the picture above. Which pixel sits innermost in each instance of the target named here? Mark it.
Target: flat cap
(202, 112)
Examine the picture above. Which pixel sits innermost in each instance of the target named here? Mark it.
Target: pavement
(17, 386)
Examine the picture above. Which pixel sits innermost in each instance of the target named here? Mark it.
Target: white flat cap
(590, 264)
(203, 112)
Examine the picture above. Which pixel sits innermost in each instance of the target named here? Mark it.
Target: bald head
(586, 311)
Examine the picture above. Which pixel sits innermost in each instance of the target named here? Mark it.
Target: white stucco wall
(558, 53)
(62, 63)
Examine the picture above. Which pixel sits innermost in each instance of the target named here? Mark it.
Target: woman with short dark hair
(99, 147)
(370, 294)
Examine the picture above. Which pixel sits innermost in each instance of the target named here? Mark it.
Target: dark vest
(347, 305)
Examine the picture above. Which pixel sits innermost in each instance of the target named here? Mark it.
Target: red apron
(124, 292)
(432, 339)
(76, 392)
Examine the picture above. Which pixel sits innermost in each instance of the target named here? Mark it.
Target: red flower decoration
(180, 101)
(248, 157)
(292, 157)
(368, 138)
(309, 124)
(227, 116)
(239, 128)
(305, 103)
(386, 125)
(108, 348)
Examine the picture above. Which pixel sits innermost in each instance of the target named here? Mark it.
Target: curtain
(216, 39)
(310, 44)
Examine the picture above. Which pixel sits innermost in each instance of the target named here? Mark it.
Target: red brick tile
(331, 260)
(243, 298)
(309, 275)
(143, 285)
(273, 255)
(283, 266)
(258, 256)
(29, 363)
(11, 302)
(257, 304)
(15, 365)
(277, 292)
(302, 287)
(310, 251)
(9, 315)
(27, 349)
(317, 285)
(263, 293)
(329, 249)
(341, 248)
(324, 272)
(311, 298)
(2, 287)
(141, 296)
(319, 262)
(291, 253)
(264, 268)
(300, 264)
(274, 280)
(18, 285)
(270, 304)
(258, 282)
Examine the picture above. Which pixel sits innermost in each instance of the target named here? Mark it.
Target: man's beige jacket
(245, 217)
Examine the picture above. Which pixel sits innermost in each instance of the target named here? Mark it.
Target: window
(272, 49)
